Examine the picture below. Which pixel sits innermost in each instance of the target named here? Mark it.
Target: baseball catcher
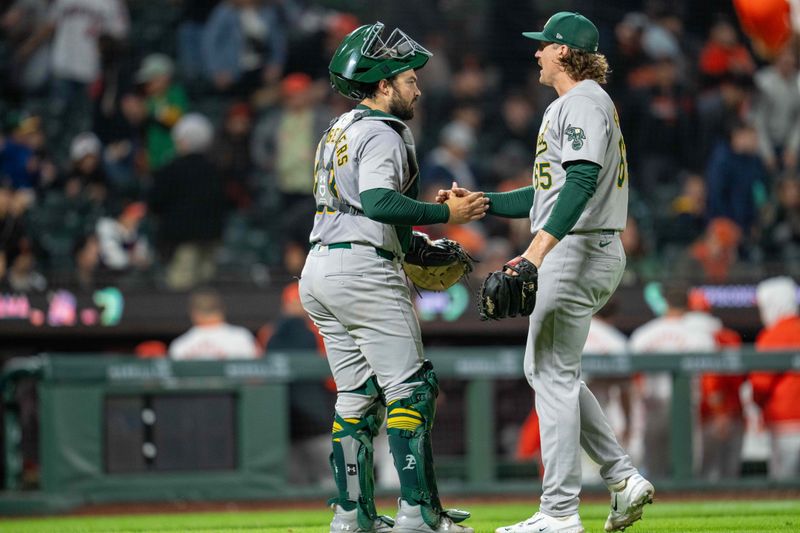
(509, 292)
(435, 265)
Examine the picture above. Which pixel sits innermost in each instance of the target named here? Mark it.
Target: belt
(386, 254)
(594, 232)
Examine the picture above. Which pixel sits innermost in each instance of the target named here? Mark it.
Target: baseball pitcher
(577, 206)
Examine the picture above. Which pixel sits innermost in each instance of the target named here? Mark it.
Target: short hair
(582, 65)
(676, 295)
(205, 302)
(371, 89)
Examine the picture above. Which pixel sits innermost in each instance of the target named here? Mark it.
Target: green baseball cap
(571, 29)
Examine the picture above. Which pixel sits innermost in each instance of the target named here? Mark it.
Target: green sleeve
(391, 207)
(579, 186)
(512, 204)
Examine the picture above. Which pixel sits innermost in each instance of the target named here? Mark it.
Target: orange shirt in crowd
(720, 392)
(778, 394)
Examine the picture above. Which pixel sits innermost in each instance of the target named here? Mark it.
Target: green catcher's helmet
(364, 58)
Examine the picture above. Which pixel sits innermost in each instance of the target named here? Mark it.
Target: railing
(480, 368)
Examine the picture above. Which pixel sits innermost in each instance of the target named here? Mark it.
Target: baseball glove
(503, 295)
(435, 265)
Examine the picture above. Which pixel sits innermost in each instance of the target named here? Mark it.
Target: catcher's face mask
(364, 58)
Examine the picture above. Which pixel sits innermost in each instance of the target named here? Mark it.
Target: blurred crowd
(171, 142)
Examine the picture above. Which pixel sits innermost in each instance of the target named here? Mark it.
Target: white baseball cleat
(348, 521)
(542, 523)
(409, 520)
(628, 501)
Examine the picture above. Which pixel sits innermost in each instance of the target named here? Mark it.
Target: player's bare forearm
(540, 246)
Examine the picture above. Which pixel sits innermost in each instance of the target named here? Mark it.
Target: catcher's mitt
(503, 295)
(435, 265)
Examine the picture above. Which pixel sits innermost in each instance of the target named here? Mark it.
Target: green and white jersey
(581, 125)
(364, 149)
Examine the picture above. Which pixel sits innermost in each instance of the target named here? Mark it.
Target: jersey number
(622, 170)
(325, 182)
(541, 176)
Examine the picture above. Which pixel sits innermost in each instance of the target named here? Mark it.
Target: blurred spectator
(232, 155)
(210, 336)
(670, 333)
(449, 161)
(721, 414)
(734, 177)
(516, 125)
(767, 23)
(315, 40)
(631, 64)
(310, 402)
(189, 201)
(76, 26)
(723, 53)
(123, 248)
(27, 71)
(717, 110)
(777, 394)
(86, 258)
(782, 223)
(285, 141)
(18, 164)
(22, 275)
(777, 112)
(17, 261)
(152, 349)
(86, 177)
(660, 119)
(244, 46)
(688, 211)
(166, 102)
(13, 237)
(190, 40)
(117, 114)
(716, 252)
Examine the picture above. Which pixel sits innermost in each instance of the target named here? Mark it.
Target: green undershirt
(391, 207)
(512, 204)
(578, 188)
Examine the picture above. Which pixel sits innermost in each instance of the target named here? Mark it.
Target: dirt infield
(285, 505)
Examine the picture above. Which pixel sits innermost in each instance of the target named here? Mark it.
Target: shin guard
(352, 460)
(409, 424)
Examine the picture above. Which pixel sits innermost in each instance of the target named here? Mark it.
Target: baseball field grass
(662, 517)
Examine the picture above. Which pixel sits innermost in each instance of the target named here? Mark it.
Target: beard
(402, 109)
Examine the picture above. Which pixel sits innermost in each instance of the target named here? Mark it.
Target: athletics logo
(411, 463)
(576, 136)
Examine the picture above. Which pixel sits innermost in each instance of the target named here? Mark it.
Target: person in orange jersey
(777, 393)
(721, 415)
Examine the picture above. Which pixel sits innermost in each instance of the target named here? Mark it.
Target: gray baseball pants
(362, 307)
(575, 280)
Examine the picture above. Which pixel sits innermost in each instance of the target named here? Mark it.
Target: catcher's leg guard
(352, 459)
(408, 425)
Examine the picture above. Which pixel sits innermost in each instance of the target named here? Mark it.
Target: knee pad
(352, 457)
(408, 424)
